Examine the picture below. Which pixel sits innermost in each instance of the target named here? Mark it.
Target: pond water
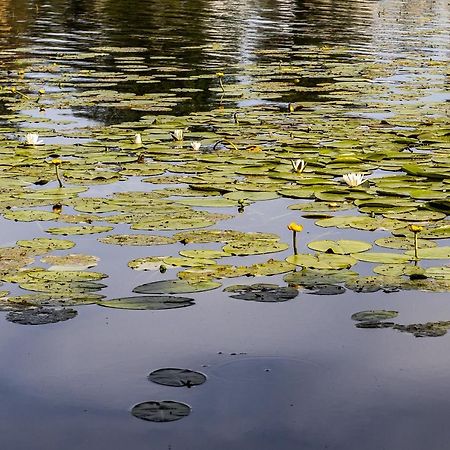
(347, 87)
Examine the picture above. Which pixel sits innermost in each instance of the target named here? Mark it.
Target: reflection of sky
(308, 376)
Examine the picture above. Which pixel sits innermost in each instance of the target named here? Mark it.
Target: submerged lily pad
(261, 292)
(136, 239)
(175, 287)
(40, 316)
(152, 303)
(163, 411)
(177, 377)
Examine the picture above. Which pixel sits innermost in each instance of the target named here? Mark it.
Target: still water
(291, 375)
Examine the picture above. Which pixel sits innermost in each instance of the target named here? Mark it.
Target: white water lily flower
(196, 145)
(298, 165)
(138, 139)
(33, 139)
(354, 179)
(177, 135)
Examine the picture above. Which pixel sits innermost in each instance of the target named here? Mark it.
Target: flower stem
(416, 246)
(221, 84)
(57, 176)
(294, 242)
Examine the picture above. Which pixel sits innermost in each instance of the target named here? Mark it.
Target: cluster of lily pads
(342, 166)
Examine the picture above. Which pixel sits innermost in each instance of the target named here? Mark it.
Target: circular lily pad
(153, 303)
(46, 244)
(371, 315)
(136, 239)
(380, 257)
(78, 230)
(177, 377)
(175, 287)
(431, 253)
(261, 292)
(40, 316)
(341, 247)
(403, 243)
(164, 411)
(322, 261)
(258, 247)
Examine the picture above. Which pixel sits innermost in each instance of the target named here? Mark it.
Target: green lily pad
(175, 287)
(431, 253)
(177, 377)
(46, 244)
(30, 215)
(341, 247)
(148, 302)
(136, 239)
(257, 247)
(78, 230)
(163, 411)
(380, 257)
(322, 261)
(380, 314)
(403, 243)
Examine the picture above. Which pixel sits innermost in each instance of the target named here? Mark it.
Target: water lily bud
(294, 226)
(415, 228)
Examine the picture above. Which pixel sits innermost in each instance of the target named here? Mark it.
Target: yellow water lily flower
(415, 228)
(296, 227)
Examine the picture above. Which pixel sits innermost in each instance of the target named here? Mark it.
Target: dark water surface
(293, 375)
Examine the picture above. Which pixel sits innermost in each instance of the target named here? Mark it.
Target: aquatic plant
(416, 229)
(298, 165)
(295, 228)
(138, 139)
(220, 75)
(57, 163)
(354, 179)
(33, 139)
(177, 135)
(196, 145)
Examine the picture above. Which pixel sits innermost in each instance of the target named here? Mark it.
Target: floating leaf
(341, 247)
(175, 287)
(164, 411)
(380, 314)
(322, 261)
(136, 239)
(79, 230)
(177, 377)
(261, 292)
(40, 316)
(152, 303)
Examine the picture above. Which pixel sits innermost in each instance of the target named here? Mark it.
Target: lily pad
(177, 377)
(163, 411)
(341, 247)
(175, 287)
(261, 292)
(370, 315)
(136, 239)
(78, 230)
(40, 316)
(152, 303)
(322, 261)
(431, 253)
